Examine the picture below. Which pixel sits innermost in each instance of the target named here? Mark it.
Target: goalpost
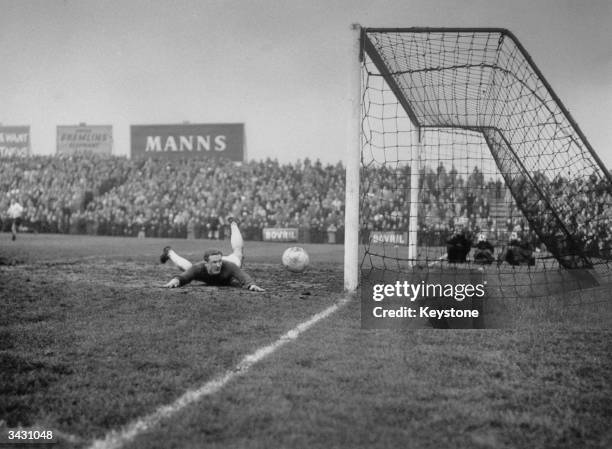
(455, 127)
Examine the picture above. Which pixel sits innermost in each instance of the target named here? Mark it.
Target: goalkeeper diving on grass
(215, 269)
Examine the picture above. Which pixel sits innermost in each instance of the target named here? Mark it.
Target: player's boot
(164, 255)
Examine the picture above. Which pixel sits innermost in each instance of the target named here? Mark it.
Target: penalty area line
(117, 438)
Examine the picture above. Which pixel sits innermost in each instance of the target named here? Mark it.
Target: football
(295, 259)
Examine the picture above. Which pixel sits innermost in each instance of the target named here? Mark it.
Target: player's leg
(501, 258)
(14, 229)
(169, 254)
(237, 243)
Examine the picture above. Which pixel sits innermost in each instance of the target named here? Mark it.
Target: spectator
(483, 250)
(458, 245)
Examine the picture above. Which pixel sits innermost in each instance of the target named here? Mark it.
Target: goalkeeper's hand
(174, 282)
(255, 288)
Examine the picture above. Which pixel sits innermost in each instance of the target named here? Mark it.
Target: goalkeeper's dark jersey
(230, 274)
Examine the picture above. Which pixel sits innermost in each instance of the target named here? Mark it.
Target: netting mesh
(497, 158)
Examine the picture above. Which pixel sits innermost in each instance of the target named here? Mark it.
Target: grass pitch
(89, 342)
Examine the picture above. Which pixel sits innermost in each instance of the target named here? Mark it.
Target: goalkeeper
(216, 269)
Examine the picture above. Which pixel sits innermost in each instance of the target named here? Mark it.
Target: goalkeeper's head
(213, 261)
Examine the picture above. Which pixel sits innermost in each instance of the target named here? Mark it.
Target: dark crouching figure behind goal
(518, 251)
(458, 245)
(483, 250)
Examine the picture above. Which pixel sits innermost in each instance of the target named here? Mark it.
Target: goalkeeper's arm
(184, 278)
(174, 282)
(243, 278)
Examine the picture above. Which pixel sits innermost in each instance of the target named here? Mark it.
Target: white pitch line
(117, 438)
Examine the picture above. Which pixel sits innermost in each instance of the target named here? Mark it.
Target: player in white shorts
(14, 212)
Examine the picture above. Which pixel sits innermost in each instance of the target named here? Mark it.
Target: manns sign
(188, 141)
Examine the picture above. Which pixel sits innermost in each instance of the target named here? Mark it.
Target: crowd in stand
(54, 190)
(580, 221)
(89, 194)
(444, 199)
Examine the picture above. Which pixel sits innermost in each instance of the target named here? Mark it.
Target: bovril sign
(188, 141)
(280, 234)
(396, 238)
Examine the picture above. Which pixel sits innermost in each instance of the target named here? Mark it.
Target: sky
(281, 67)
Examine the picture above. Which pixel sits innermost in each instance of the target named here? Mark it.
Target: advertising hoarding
(14, 140)
(85, 139)
(394, 237)
(188, 140)
(280, 234)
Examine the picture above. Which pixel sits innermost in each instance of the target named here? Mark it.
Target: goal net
(464, 142)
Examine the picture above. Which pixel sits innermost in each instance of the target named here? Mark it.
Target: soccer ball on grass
(295, 259)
